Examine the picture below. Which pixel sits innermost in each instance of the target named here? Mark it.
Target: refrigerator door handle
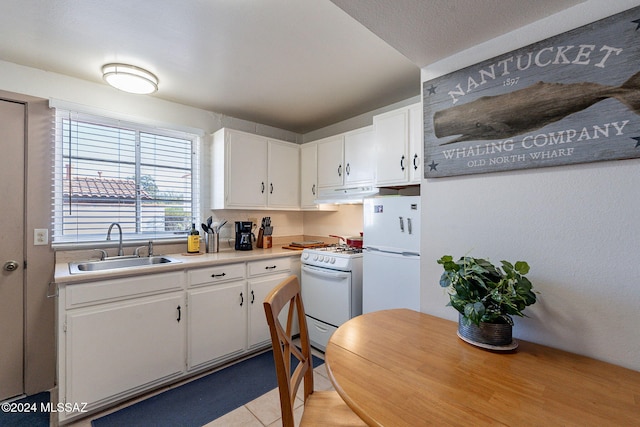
(409, 225)
(401, 224)
(411, 254)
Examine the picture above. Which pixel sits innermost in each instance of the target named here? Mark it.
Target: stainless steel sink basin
(110, 264)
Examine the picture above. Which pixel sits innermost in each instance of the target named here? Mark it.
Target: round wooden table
(405, 368)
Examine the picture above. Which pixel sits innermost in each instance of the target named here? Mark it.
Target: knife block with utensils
(264, 234)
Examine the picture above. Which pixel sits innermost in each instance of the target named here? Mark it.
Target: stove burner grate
(336, 248)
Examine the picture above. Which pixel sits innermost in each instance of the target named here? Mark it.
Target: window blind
(107, 170)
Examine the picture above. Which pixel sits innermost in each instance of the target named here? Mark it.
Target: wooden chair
(321, 408)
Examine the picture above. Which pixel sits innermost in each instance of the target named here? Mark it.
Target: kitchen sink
(110, 264)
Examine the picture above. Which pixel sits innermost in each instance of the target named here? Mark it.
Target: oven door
(326, 294)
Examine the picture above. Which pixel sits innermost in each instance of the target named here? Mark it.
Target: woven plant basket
(495, 334)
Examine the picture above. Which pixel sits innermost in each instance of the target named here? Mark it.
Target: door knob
(11, 266)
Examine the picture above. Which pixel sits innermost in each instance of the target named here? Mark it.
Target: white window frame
(59, 170)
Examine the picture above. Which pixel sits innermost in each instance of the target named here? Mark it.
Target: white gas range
(331, 289)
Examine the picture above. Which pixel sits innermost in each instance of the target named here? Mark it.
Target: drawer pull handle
(218, 275)
(270, 267)
(179, 314)
(253, 297)
(241, 299)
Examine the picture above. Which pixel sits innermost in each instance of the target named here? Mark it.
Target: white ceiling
(298, 65)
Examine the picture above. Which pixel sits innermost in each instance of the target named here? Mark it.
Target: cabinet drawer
(116, 289)
(273, 265)
(222, 273)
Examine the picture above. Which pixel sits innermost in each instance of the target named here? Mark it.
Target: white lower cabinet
(120, 337)
(264, 275)
(217, 325)
(117, 347)
(258, 290)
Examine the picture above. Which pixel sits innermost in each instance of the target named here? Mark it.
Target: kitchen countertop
(62, 275)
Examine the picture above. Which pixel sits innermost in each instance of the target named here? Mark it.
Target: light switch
(40, 236)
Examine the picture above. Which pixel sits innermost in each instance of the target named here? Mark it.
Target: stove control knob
(315, 257)
(305, 256)
(333, 260)
(325, 259)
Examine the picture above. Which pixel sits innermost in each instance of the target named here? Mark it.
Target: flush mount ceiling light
(130, 78)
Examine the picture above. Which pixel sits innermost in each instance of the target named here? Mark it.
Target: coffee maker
(243, 235)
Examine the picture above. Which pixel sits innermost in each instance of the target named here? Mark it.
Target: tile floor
(261, 412)
(265, 410)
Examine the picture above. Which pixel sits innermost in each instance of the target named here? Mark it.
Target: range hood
(351, 195)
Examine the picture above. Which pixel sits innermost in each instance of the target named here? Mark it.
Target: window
(106, 171)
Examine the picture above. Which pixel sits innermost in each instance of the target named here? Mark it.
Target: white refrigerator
(391, 256)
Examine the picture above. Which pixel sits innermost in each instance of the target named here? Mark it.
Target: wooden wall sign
(572, 98)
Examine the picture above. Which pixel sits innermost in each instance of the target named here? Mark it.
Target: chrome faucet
(120, 250)
(149, 250)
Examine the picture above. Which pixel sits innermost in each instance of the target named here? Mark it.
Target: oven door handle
(323, 272)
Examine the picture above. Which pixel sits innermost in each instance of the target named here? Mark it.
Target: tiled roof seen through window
(101, 188)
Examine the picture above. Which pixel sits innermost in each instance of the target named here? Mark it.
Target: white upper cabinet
(346, 159)
(239, 171)
(398, 139)
(308, 175)
(253, 172)
(359, 150)
(416, 147)
(331, 161)
(283, 175)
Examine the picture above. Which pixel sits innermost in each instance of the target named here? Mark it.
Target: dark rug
(30, 411)
(203, 400)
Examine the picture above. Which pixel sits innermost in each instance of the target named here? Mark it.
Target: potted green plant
(486, 297)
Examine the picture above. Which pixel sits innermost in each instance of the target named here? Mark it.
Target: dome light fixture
(130, 78)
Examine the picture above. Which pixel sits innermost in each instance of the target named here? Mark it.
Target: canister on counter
(212, 242)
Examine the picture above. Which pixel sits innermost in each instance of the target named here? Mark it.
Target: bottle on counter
(193, 240)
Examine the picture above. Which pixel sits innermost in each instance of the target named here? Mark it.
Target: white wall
(100, 97)
(577, 226)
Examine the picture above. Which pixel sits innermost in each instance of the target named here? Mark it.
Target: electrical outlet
(40, 236)
(253, 220)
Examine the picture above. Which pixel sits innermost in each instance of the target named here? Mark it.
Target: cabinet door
(112, 348)
(217, 322)
(416, 148)
(258, 290)
(284, 175)
(358, 156)
(308, 175)
(246, 170)
(330, 162)
(391, 139)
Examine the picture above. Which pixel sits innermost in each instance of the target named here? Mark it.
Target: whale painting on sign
(573, 98)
